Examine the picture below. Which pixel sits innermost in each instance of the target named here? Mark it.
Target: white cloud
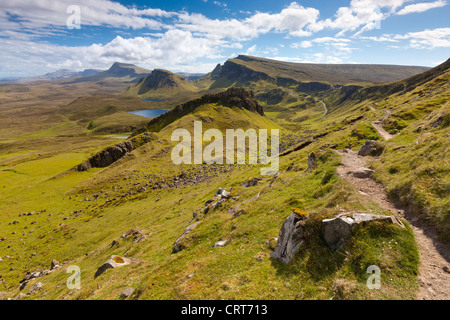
(176, 50)
(361, 14)
(292, 19)
(422, 7)
(338, 44)
(426, 39)
(429, 39)
(27, 16)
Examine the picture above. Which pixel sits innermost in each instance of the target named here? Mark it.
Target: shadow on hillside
(315, 258)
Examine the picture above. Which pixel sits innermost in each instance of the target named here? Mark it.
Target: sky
(40, 36)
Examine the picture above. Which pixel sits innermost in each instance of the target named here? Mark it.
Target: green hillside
(137, 203)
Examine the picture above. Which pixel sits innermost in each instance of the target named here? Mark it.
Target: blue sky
(37, 36)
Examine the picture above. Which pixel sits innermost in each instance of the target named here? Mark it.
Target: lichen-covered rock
(114, 262)
(338, 230)
(292, 235)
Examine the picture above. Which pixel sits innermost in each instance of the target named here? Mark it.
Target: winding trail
(434, 269)
(378, 125)
(325, 107)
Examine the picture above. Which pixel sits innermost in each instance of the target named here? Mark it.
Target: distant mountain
(245, 69)
(160, 84)
(51, 76)
(190, 76)
(119, 71)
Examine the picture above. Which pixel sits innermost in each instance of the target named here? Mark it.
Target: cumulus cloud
(292, 19)
(361, 14)
(175, 50)
(421, 7)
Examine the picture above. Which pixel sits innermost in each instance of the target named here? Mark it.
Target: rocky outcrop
(233, 97)
(338, 230)
(215, 74)
(107, 156)
(292, 235)
(237, 72)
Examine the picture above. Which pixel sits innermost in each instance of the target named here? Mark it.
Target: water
(149, 113)
(152, 100)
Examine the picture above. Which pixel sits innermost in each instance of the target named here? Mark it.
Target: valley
(84, 179)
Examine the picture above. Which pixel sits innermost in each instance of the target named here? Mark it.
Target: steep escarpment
(107, 156)
(233, 97)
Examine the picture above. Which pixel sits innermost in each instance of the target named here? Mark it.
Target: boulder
(338, 230)
(371, 147)
(126, 293)
(179, 243)
(114, 262)
(220, 243)
(292, 235)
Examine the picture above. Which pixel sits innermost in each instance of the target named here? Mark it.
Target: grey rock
(127, 293)
(362, 173)
(35, 288)
(337, 231)
(292, 235)
(54, 265)
(251, 182)
(311, 160)
(20, 296)
(370, 147)
(179, 243)
(235, 211)
(220, 243)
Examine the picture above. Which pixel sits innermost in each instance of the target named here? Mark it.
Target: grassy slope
(179, 87)
(329, 73)
(414, 165)
(240, 270)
